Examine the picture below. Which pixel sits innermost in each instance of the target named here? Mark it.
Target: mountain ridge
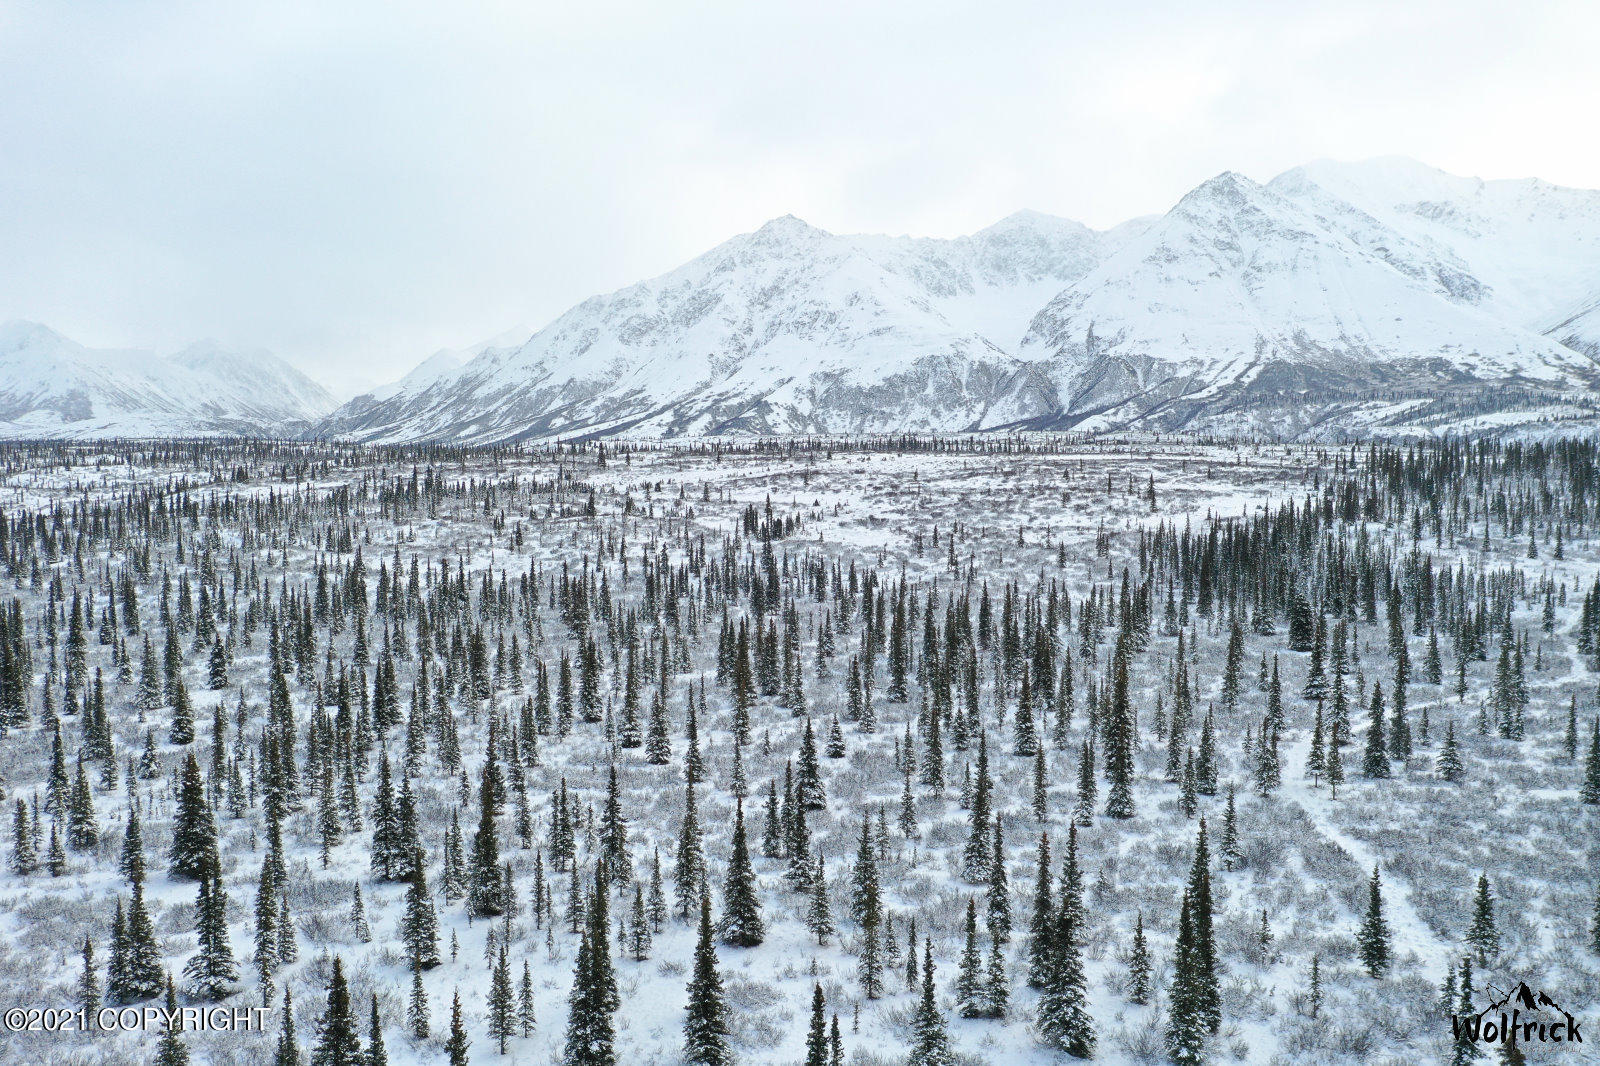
(1334, 298)
(51, 386)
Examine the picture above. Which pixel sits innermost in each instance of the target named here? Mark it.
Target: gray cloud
(356, 185)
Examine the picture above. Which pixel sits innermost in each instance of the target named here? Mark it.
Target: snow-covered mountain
(1336, 298)
(51, 386)
(1278, 308)
(787, 329)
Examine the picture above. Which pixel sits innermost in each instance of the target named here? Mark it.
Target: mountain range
(1338, 299)
(54, 387)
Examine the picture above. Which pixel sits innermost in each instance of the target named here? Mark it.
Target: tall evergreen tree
(502, 1003)
(455, 1047)
(194, 831)
(1372, 940)
(741, 918)
(1483, 935)
(338, 1037)
(705, 1027)
(930, 1043)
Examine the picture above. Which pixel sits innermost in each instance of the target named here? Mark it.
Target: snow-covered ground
(1035, 515)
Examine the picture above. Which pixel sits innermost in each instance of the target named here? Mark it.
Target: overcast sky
(355, 186)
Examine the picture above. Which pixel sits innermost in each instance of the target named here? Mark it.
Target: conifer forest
(847, 751)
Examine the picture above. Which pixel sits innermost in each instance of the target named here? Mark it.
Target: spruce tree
(376, 1055)
(1372, 940)
(89, 982)
(690, 872)
(1591, 771)
(999, 897)
(484, 896)
(1205, 942)
(705, 1027)
(142, 970)
(1186, 1015)
(866, 911)
(417, 1005)
(24, 860)
(614, 833)
(211, 973)
(1483, 934)
(1063, 1013)
(194, 832)
(817, 1034)
(1120, 737)
(741, 918)
(338, 1039)
(930, 1044)
(419, 929)
(170, 1049)
(819, 915)
(591, 1034)
(1139, 965)
(977, 855)
(502, 1003)
(455, 1048)
(971, 994)
(1449, 765)
(1041, 924)
(1375, 759)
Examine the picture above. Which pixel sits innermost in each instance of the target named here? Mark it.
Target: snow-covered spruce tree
(135, 972)
(1186, 1015)
(741, 918)
(1041, 923)
(817, 1033)
(866, 910)
(705, 1026)
(484, 895)
(614, 834)
(593, 1001)
(1372, 939)
(502, 1003)
(1375, 758)
(211, 972)
(170, 1049)
(1591, 772)
(419, 928)
(1207, 979)
(690, 871)
(1448, 764)
(930, 1043)
(998, 899)
(376, 1053)
(976, 857)
(455, 1047)
(194, 831)
(1063, 1012)
(338, 1035)
(1120, 738)
(1483, 934)
(1139, 965)
(89, 983)
(526, 1020)
(819, 914)
(971, 998)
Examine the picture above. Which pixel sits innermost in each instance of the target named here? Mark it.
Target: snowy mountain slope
(1579, 327)
(1534, 247)
(1242, 297)
(787, 329)
(51, 386)
(1325, 301)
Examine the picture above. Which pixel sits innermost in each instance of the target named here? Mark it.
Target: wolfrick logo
(1522, 1015)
